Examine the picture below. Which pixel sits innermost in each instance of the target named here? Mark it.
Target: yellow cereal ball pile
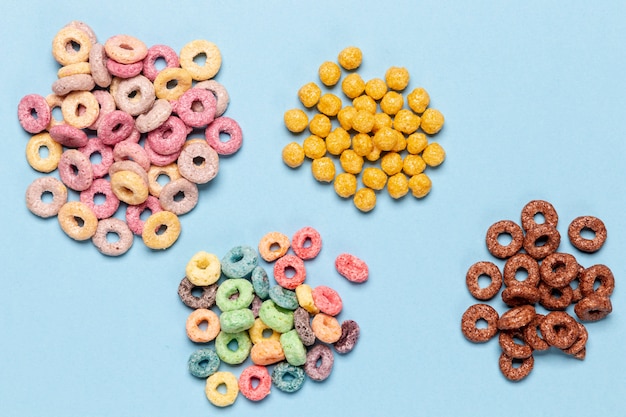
(380, 140)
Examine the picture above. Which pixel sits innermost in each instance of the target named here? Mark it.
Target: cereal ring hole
(290, 271)
(539, 218)
(516, 363)
(160, 63)
(505, 239)
(484, 281)
(587, 233)
(171, 84)
(47, 197)
(95, 158)
(521, 274)
(481, 324)
(80, 222)
(233, 345)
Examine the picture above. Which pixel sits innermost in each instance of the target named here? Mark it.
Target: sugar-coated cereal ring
(196, 48)
(283, 297)
(507, 341)
(75, 170)
(109, 247)
(96, 146)
(100, 187)
(228, 126)
(124, 71)
(591, 223)
(71, 45)
(352, 268)
(36, 160)
(517, 262)
(107, 105)
(257, 332)
(134, 95)
(472, 315)
(267, 352)
(581, 341)
(196, 107)
(293, 154)
(226, 354)
(180, 76)
(169, 138)
(319, 362)
(179, 196)
(532, 337)
(350, 332)
(125, 49)
(536, 235)
(593, 307)
(306, 243)
(198, 162)
(597, 273)
(115, 127)
(220, 93)
(235, 321)
(288, 378)
(302, 325)
(239, 262)
(276, 317)
(304, 294)
(260, 282)
(69, 136)
(538, 207)
(203, 363)
(33, 113)
(289, 263)
(134, 213)
(558, 269)
(155, 172)
(512, 372)
(128, 165)
(160, 159)
(203, 269)
(273, 245)
(504, 227)
(152, 233)
(516, 317)
(327, 300)
(218, 398)
(295, 352)
(206, 300)
(231, 287)
(131, 151)
(77, 220)
(555, 298)
(559, 329)
(97, 63)
(154, 53)
(432, 121)
(85, 28)
(76, 82)
(480, 269)
(255, 382)
(129, 187)
(161, 110)
(520, 293)
(198, 317)
(326, 328)
(35, 196)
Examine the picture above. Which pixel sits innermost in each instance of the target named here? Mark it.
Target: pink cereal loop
(96, 146)
(125, 49)
(133, 213)
(224, 125)
(196, 107)
(285, 263)
(161, 110)
(352, 268)
(85, 28)
(98, 63)
(115, 127)
(127, 150)
(306, 243)
(154, 53)
(198, 162)
(118, 69)
(220, 93)
(34, 113)
(168, 138)
(75, 170)
(107, 105)
(102, 187)
(134, 95)
(158, 159)
(327, 300)
(69, 136)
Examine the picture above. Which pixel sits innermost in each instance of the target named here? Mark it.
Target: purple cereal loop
(170, 191)
(228, 126)
(155, 52)
(75, 170)
(77, 82)
(97, 61)
(323, 354)
(350, 333)
(142, 92)
(220, 93)
(302, 324)
(69, 136)
(112, 248)
(96, 146)
(33, 113)
(127, 150)
(161, 110)
(115, 127)
(168, 138)
(107, 105)
(111, 202)
(196, 107)
(158, 159)
(134, 212)
(36, 190)
(117, 69)
(198, 162)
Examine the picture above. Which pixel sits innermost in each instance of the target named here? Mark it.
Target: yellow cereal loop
(434, 155)
(258, 330)
(71, 45)
(362, 144)
(203, 269)
(418, 100)
(413, 165)
(129, 187)
(420, 185)
(381, 120)
(329, 73)
(337, 141)
(351, 162)
(80, 109)
(77, 220)
(353, 85)
(320, 125)
(304, 295)
(54, 102)
(74, 69)
(161, 230)
(397, 185)
(230, 392)
(201, 48)
(293, 155)
(43, 162)
(309, 94)
(376, 88)
(329, 104)
(391, 163)
(406, 121)
(416, 143)
(365, 199)
(296, 120)
(323, 169)
(397, 78)
(345, 116)
(365, 103)
(179, 76)
(400, 144)
(391, 102)
(374, 178)
(350, 58)
(345, 185)
(385, 139)
(314, 147)
(363, 121)
(432, 121)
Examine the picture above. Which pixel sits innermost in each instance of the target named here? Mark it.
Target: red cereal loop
(286, 263)
(255, 382)
(230, 127)
(488, 269)
(33, 113)
(115, 127)
(327, 300)
(75, 170)
(352, 268)
(306, 243)
(117, 69)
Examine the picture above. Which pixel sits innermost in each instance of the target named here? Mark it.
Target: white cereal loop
(161, 111)
(198, 162)
(98, 63)
(112, 246)
(220, 93)
(171, 200)
(37, 201)
(135, 95)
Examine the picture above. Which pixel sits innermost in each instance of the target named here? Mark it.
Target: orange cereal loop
(267, 352)
(314, 147)
(161, 230)
(381, 120)
(323, 169)
(362, 144)
(309, 94)
(71, 45)
(406, 121)
(418, 100)
(273, 246)
(365, 103)
(345, 185)
(398, 185)
(198, 317)
(392, 102)
(201, 48)
(385, 139)
(345, 116)
(320, 125)
(365, 199)
(329, 104)
(391, 163)
(77, 220)
(337, 141)
(353, 85)
(329, 73)
(432, 121)
(180, 76)
(363, 121)
(397, 78)
(326, 328)
(125, 49)
(374, 178)
(296, 120)
(350, 58)
(293, 155)
(73, 69)
(376, 88)
(433, 155)
(416, 143)
(351, 162)
(413, 165)
(420, 185)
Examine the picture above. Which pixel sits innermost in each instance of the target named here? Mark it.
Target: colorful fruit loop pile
(125, 137)
(552, 279)
(288, 327)
(379, 141)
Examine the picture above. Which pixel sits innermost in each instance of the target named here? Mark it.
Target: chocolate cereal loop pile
(538, 318)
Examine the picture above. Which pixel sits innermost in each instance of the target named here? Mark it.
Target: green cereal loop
(291, 384)
(233, 357)
(283, 297)
(230, 287)
(239, 262)
(235, 321)
(275, 317)
(260, 282)
(295, 352)
(203, 362)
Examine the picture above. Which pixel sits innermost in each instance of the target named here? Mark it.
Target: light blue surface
(534, 95)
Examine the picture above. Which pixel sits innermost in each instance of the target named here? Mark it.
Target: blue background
(534, 95)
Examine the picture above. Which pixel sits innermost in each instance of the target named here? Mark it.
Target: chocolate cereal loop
(512, 372)
(504, 227)
(507, 341)
(541, 240)
(532, 334)
(559, 329)
(350, 332)
(587, 222)
(600, 273)
(516, 317)
(520, 294)
(555, 298)
(205, 300)
(521, 261)
(593, 307)
(538, 207)
(558, 269)
(470, 318)
(483, 268)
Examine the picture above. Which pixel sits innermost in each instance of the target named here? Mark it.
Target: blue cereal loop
(260, 282)
(239, 262)
(203, 362)
(291, 384)
(283, 297)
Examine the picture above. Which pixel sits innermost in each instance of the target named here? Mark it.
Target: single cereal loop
(420, 185)
(196, 48)
(288, 378)
(531, 335)
(291, 263)
(293, 155)
(329, 73)
(125, 49)
(129, 187)
(326, 328)
(488, 269)
(98, 66)
(515, 373)
(36, 191)
(350, 58)
(559, 329)
(226, 354)
(273, 245)
(260, 283)
(306, 243)
(155, 172)
(203, 269)
(198, 317)
(235, 321)
(418, 100)
(276, 317)
(69, 136)
(160, 111)
(506, 340)
(304, 294)
(351, 268)
(398, 185)
(154, 53)
(353, 85)
(345, 184)
(101, 187)
(432, 121)
(75, 170)
(131, 151)
(255, 382)
(85, 28)
(196, 107)
(128, 165)
(95, 146)
(135, 95)
(180, 76)
(76, 82)
(219, 92)
(302, 325)
(350, 332)
(517, 262)
(416, 143)
(376, 88)
(71, 45)
(239, 262)
(124, 71)
(296, 120)
(520, 294)
(198, 162)
(295, 352)
(319, 362)
(558, 269)
(257, 335)
(77, 220)
(391, 163)
(134, 213)
(160, 159)
(597, 273)
(283, 297)
(587, 222)
(327, 300)
(323, 169)
(374, 178)
(555, 298)
(320, 125)
(472, 315)
(36, 160)
(203, 363)
(593, 307)
(537, 234)
(179, 196)
(504, 227)
(538, 207)
(580, 342)
(267, 352)
(218, 398)
(34, 113)
(206, 300)
(116, 247)
(115, 127)
(391, 103)
(169, 138)
(516, 317)
(365, 199)
(228, 126)
(152, 235)
(107, 105)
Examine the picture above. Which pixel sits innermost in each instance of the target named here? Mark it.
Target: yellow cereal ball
(345, 185)
(413, 165)
(293, 155)
(323, 169)
(320, 125)
(363, 121)
(362, 144)
(329, 104)
(309, 94)
(353, 85)
(398, 185)
(406, 121)
(350, 58)
(432, 121)
(376, 88)
(418, 100)
(337, 141)
(433, 155)
(397, 78)
(329, 73)
(314, 147)
(420, 185)
(400, 144)
(391, 163)
(416, 143)
(392, 102)
(351, 162)
(365, 199)
(385, 138)
(374, 154)
(381, 120)
(374, 178)
(345, 116)
(296, 120)
(365, 103)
